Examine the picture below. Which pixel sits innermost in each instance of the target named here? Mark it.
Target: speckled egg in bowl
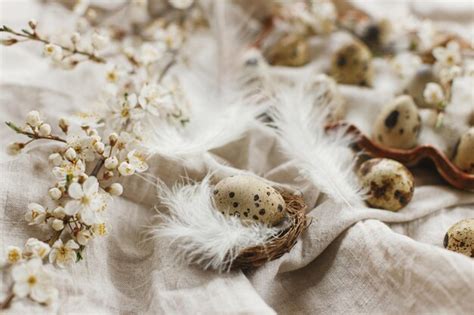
(254, 201)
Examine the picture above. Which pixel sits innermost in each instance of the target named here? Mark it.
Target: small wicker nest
(280, 244)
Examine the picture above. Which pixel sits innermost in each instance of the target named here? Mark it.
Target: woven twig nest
(281, 243)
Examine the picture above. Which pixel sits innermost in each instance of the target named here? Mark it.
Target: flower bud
(99, 147)
(126, 169)
(115, 189)
(63, 125)
(8, 41)
(57, 224)
(108, 175)
(99, 41)
(111, 163)
(15, 148)
(70, 154)
(28, 129)
(75, 38)
(33, 118)
(59, 213)
(44, 130)
(32, 23)
(55, 193)
(113, 138)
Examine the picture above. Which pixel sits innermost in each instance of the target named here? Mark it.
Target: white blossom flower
(30, 279)
(14, 254)
(181, 4)
(448, 56)
(68, 172)
(154, 98)
(123, 111)
(150, 53)
(448, 74)
(55, 193)
(63, 254)
(36, 248)
(137, 160)
(53, 51)
(433, 94)
(172, 36)
(83, 147)
(87, 201)
(33, 118)
(83, 237)
(126, 169)
(36, 214)
(44, 130)
(406, 64)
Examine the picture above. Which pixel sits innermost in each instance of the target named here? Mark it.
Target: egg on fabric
(389, 184)
(291, 50)
(249, 198)
(352, 64)
(464, 152)
(460, 237)
(398, 124)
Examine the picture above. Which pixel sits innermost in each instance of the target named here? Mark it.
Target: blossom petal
(72, 244)
(75, 191)
(91, 186)
(21, 289)
(72, 207)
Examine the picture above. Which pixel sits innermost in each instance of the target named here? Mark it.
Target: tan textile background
(348, 261)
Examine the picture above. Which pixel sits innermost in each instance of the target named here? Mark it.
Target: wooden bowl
(450, 172)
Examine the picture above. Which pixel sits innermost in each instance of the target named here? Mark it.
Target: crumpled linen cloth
(348, 261)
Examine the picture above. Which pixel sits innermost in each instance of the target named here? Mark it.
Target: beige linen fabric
(348, 261)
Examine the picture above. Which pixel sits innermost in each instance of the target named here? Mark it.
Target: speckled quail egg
(398, 124)
(291, 50)
(249, 198)
(464, 152)
(327, 95)
(460, 237)
(352, 64)
(417, 84)
(389, 184)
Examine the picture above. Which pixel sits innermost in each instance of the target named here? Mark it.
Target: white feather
(323, 158)
(213, 82)
(198, 233)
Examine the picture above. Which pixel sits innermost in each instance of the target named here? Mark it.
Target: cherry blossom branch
(33, 136)
(34, 36)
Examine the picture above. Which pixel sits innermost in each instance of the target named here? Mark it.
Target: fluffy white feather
(198, 233)
(213, 82)
(323, 158)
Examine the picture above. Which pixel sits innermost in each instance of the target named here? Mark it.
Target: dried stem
(35, 37)
(33, 136)
(7, 302)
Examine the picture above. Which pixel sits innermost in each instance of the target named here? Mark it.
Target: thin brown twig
(35, 37)
(33, 136)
